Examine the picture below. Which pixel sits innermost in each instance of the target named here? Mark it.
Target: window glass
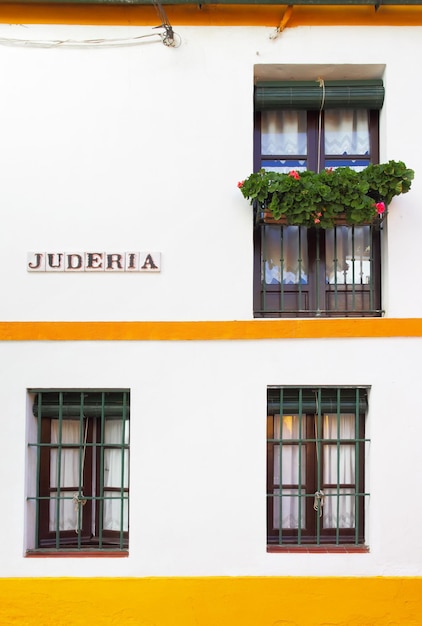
(284, 133)
(346, 131)
(286, 248)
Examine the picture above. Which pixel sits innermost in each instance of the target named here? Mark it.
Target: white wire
(88, 43)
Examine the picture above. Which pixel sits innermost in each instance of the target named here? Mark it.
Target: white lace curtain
(347, 255)
(71, 466)
(284, 133)
(338, 467)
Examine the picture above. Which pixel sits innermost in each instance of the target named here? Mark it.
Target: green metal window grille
(82, 469)
(316, 465)
(311, 272)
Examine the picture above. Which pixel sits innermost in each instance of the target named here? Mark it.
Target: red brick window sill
(78, 554)
(326, 549)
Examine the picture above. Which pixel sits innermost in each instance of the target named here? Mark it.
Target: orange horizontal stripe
(210, 331)
(210, 15)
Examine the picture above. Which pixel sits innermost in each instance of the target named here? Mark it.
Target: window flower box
(340, 219)
(320, 199)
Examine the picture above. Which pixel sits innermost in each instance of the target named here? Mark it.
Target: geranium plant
(319, 199)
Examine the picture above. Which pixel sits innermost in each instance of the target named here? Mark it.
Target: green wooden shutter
(309, 95)
(309, 400)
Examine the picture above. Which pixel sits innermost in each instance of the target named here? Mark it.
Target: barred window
(312, 272)
(81, 453)
(316, 465)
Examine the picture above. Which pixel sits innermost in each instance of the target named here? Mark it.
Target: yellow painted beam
(211, 331)
(217, 601)
(210, 15)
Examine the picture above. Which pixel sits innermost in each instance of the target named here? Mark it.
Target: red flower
(294, 174)
(240, 184)
(328, 170)
(380, 207)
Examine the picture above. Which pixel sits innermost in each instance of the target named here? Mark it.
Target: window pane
(342, 428)
(339, 464)
(346, 132)
(113, 431)
(283, 166)
(338, 512)
(291, 427)
(285, 249)
(69, 458)
(289, 465)
(113, 511)
(288, 506)
(283, 133)
(348, 255)
(68, 513)
(113, 468)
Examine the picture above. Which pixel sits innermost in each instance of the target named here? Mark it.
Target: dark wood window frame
(317, 298)
(312, 446)
(92, 448)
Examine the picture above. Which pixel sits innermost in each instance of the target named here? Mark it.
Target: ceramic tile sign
(93, 262)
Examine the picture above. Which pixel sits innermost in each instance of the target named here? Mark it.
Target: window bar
(338, 468)
(357, 444)
(299, 508)
(82, 447)
(59, 468)
(317, 272)
(353, 271)
(122, 493)
(101, 499)
(280, 486)
(371, 270)
(318, 453)
(263, 267)
(281, 269)
(37, 488)
(335, 268)
(299, 261)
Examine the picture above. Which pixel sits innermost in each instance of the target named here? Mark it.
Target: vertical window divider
(83, 434)
(59, 469)
(317, 273)
(318, 453)
(338, 467)
(99, 497)
(37, 488)
(300, 262)
(335, 267)
(263, 235)
(353, 270)
(371, 268)
(299, 508)
(280, 486)
(357, 461)
(122, 483)
(281, 268)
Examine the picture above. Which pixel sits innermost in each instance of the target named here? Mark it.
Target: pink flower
(240, 184)
(294, 174)
(316, 220)
(380, 207)
(319, 214)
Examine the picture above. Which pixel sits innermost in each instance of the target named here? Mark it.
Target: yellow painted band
(209, 331)
(215, 601)
(210, 15)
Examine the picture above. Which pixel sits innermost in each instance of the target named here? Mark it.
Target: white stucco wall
(198, 449)
(141, 148)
